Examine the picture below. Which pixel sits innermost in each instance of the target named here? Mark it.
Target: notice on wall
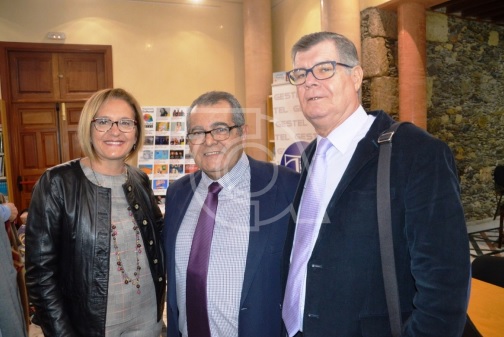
(292, 131)
(165, 155)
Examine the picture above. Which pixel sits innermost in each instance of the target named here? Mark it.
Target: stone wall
(465, 92)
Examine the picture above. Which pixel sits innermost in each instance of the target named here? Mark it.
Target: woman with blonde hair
(94, 262)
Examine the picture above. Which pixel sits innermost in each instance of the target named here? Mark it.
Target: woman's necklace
(138, 247)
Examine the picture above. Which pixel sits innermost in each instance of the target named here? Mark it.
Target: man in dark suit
(332, 265)
(242, 288)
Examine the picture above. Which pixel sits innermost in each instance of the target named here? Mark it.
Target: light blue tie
(305, 230)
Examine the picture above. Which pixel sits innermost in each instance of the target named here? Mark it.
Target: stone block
(380, 22)
(493, 38)
(374, 57)
(384, 94)
(437, 27)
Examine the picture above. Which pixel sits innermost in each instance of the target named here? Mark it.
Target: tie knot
(214, 188)
(323, 146)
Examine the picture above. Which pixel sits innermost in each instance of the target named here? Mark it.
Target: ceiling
(481, 10)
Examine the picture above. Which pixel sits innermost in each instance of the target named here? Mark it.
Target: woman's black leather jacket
(68, 248)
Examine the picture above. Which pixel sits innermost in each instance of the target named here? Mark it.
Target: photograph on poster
(146, 155)
(162, 140)
(162, 126)
(176, 154)
(161, 154)
(149, 140)
(178, 127)
(160, 184)
(147, 168)
(174, 140)
(161, 168)
(163, 112)
(176, 168)
(178, 112)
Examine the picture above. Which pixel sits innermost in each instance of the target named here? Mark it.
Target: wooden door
(47, 87)
(42, 76)
(36, 126)
(47, 137)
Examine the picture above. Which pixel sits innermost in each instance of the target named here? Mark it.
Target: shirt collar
(341, 137)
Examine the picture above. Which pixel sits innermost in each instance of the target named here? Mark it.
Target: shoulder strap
(385, 230)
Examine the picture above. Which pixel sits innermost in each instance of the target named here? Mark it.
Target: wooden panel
(38, 130)
(33, 76)
(38, 118)
(81, 74)
(70, 147)
(30, 151)
(74, 146)
(50, 149)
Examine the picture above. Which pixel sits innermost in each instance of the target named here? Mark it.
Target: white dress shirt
(344, 140)
(228, 253)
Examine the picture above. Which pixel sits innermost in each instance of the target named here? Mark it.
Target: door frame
(11, 166)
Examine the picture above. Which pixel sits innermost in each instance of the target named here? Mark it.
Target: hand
(23, 217)
(13, 209)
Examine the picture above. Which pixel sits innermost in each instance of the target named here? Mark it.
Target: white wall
(165, 54)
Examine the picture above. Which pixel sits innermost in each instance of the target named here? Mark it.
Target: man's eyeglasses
(321, 71)
(220, 133)
(105, 124)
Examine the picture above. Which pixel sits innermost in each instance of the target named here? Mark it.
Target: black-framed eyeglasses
(321, 71)
(105, 124)
(219, 134)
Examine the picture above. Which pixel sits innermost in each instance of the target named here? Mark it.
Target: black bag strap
(385, 230)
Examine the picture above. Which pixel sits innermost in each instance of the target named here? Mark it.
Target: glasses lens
(126, 125)
(102, 124)
(196, 138)
(297, 76)
(321, 71)
(324, 70)
(220, 133)
(105, 124)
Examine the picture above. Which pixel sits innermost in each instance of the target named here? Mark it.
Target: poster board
(165, 155)
(292, 131)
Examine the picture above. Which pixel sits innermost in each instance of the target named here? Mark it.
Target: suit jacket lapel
(182, 201)
(366, 151)
(262, 207)
(184, 196)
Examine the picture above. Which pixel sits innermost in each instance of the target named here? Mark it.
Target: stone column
(342, 17)
(258, 72)
(411, 29)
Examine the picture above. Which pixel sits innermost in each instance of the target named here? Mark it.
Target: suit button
(160, 279)
(137, 206)
(145, 222)
(155, 261)
(151, 242)
(130, 188)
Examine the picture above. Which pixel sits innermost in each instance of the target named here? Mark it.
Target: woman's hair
(344, 47)
(214, 97)
(91, 107)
